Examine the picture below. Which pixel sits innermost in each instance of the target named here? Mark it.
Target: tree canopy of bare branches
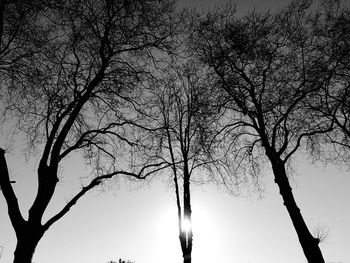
(184, 121)
(271, 67)
(76, 89)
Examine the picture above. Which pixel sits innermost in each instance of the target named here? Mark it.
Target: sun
(186, 225)
(206, 243)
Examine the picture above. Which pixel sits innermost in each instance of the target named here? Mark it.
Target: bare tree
(78, 94)
(270, 67)
(184, 109)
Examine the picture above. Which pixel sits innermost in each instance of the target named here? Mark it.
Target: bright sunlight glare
(186, 225)
(206, 242)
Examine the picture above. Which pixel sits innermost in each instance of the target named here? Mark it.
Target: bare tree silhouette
(271, 68)
(75, 91)
(184, 134)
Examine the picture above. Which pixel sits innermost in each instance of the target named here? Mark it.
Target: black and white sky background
(139, 223)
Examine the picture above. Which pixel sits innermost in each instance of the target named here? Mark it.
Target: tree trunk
(308, 243)
(25, 250)
(186, 245)
(187, 258)
(187, 236)
(28, 238)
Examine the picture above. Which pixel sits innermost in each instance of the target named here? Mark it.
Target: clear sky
(138, 222)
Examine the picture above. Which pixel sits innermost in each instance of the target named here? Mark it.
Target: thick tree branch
(97, 181)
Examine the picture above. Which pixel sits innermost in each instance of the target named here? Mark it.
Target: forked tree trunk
(28, 232)
(308, 243)
(186, 237)
(186, 243)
